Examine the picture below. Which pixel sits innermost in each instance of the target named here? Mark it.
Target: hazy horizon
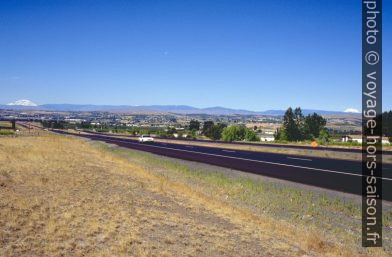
(348, 110)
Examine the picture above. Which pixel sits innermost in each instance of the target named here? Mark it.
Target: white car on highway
(146, 138)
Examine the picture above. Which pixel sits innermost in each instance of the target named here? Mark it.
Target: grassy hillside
(62, 196)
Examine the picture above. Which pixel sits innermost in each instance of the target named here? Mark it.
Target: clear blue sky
(254, 55)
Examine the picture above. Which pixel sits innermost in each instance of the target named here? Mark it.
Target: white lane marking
(228, 151)
(244, 159)
(301, 159)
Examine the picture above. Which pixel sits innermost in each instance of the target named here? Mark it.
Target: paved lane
(341, 175)
(299, 147)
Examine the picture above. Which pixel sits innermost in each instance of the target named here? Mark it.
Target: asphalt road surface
(300, 147)
(340, 175)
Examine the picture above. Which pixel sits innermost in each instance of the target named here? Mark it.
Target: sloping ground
(61, 196)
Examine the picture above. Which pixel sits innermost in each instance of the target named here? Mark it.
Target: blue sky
(255, 55)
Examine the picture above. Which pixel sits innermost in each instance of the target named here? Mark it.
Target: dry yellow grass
(61, 196)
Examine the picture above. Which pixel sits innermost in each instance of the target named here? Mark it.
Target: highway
(259, 144)
(339, 175)
(300, 147)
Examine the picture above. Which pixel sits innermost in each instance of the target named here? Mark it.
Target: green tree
(162, 134)
(144, 132)
(238, 133)
(194, 125)
(323, 136)
(231, 133)
(387, 124)
(291, 125)
(313, 125)
(299, 121)
(215, 132)
(192, 134)
(296, 127)
(169, 132)
(298, 116)
(250, 135)
(207, 125)
(278, 134)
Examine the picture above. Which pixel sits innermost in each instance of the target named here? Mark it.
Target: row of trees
(223, 132)
(297, 127)
(212, 130)
(57, 124)
(238, 133)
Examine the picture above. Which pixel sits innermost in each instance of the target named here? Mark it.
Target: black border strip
(371, 123)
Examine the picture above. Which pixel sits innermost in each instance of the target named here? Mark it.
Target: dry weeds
(60, 196)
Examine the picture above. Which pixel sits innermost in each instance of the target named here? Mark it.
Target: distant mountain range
(179, 109)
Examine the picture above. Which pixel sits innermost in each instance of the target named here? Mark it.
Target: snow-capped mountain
(178, 109)
(23, 102)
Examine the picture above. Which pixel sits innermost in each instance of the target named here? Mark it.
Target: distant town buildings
(345, 129)
(358, 139)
